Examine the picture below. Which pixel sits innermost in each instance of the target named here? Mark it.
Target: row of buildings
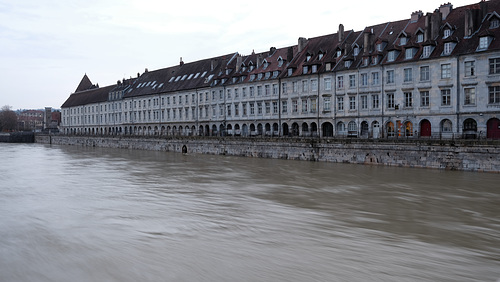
(47, 120)
(433, 75)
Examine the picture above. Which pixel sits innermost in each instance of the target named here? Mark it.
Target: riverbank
(17, 137)
(463, 155)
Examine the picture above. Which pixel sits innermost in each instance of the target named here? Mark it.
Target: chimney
(181, 62)
(272, 50)
(212, 64)
(289, 54)
(239, 60)
(341, 32)
(367, 41)
(432, 25)
(146, 70)
(415, 16)
(259, 60)
(302, 43)
(445, 10)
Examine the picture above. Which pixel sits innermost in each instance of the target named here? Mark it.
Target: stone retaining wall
(469, 156)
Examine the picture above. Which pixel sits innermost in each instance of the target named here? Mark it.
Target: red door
(425, 128)
(493, 129)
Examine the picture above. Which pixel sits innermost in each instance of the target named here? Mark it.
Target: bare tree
(8, 119)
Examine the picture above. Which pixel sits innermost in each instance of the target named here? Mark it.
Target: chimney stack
(289, 54)
(445, 10)
(181, 62)
(367, 41)
(341, 32)
(302, 43)
(415, 16)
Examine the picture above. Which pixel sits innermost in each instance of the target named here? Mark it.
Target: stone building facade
(434, 75)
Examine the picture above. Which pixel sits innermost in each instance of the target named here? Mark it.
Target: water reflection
(93, 214)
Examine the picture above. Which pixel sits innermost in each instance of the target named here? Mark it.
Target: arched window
(446, 126)
(408, 129)
(390, 129)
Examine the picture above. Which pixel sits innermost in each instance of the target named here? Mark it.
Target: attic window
(177, 79)
(347, 64)
(266, 64)
(171, 79)
(448, 47)
(190, 76)
(402, 41)
(391, 56)
(447, 33)
(484, 42)
(320, 56)
(268, 75)
(379, 47)
(184, 77)
(275, 74)
(494, 23)
(161, 85)
(308, 57)
(356, 51)
(196, 75)
(314, 68)
(148, 83)
(420, 37)
(252, 77)
(204, 73)
(409, 53)
(290, 72)
(280, 62)
(339, 53)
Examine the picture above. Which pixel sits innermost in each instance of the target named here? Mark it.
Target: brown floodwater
(93, 214)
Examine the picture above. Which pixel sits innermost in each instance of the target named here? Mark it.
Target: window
(267, 89)
(424, 73)
(391, 56)
(364, 79)
(447, 33)
(295, 86)
(494, 94)
(352, 81)
(314, 85)
(283, 87)
(314, 68)
(427, 51)
(347, 64)
(364, 102)
(259, 90)
(340, 103)
(326, 104)
(375, 78)
(305, 69)
(470, 68)
(470, 96)
(375, 101)
(268, 107)
(402, 41)
(352, 102)
(445, 71)
(356, 51)
(328, 83)
(340, 82)
(495, 66)
(408, 75)
(420, 37)
(275, 89)
(295, 106)
(275, 107)
(313, 105)
(494, 23)
(409, 53)
(259, 108)
(390, 100)
(252, 91)
(390, 76)
(408, 99)
(424, 98)
(484, 42)
(304, 86)
(445, 97)
(252, 108)
(304, 105)
(448, 47)
(284, 107)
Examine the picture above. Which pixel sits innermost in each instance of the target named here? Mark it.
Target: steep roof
(85, 84)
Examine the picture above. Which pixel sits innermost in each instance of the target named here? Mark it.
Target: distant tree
(8, 119)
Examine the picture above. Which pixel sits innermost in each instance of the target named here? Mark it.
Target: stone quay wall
(483, 156)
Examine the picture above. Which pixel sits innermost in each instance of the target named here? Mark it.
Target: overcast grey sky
(46, 46)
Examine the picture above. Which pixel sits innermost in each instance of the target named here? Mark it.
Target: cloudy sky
(46, 46)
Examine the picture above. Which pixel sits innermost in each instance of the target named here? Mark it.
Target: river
(71, 213)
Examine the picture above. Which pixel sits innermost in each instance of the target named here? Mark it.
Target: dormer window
(402, 41)
(266, 64)
(420, 37)
(339, 53)
(275, 74)
(448, 47)
(379, 47)
(328, 66)
(366, 61)
(495, 23)
(268, 75)
(251, 67)
(409, 53)
(280, 62)
(314, 68)
(259, 76)
(484, 42)
(320, 56)
(252, 77)
(308, 57)
(305, 69)
(356, 51)
(347, 64)
(447, 33)
(391, 56)
(375, 60)
(427, 51)
(290, 72)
